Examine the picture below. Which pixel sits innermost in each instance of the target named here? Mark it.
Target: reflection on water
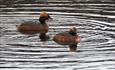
(95, 23)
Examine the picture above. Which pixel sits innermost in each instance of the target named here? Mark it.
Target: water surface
(94, 21)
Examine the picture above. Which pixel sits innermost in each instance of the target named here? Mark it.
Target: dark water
(95, 23)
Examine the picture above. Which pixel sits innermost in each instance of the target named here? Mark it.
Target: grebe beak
(49, 17)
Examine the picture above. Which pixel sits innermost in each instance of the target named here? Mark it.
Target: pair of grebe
(70, 38)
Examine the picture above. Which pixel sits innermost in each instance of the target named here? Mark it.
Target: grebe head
(43, 17)
(73, 31)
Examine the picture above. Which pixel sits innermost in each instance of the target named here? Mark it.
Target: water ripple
(95, 25)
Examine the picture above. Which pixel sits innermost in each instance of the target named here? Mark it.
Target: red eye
(46, 17)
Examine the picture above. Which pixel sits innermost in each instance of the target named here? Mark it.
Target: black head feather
(42, 20)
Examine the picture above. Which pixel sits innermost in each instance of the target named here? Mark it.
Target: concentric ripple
(96, 50)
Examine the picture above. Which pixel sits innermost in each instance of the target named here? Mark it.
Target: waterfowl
(70, 38)
(36, 27)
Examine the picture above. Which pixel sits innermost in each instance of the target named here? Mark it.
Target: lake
(95, 22)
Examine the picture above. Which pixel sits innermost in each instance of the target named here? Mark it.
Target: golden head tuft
(73, 29)
(43, 14)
